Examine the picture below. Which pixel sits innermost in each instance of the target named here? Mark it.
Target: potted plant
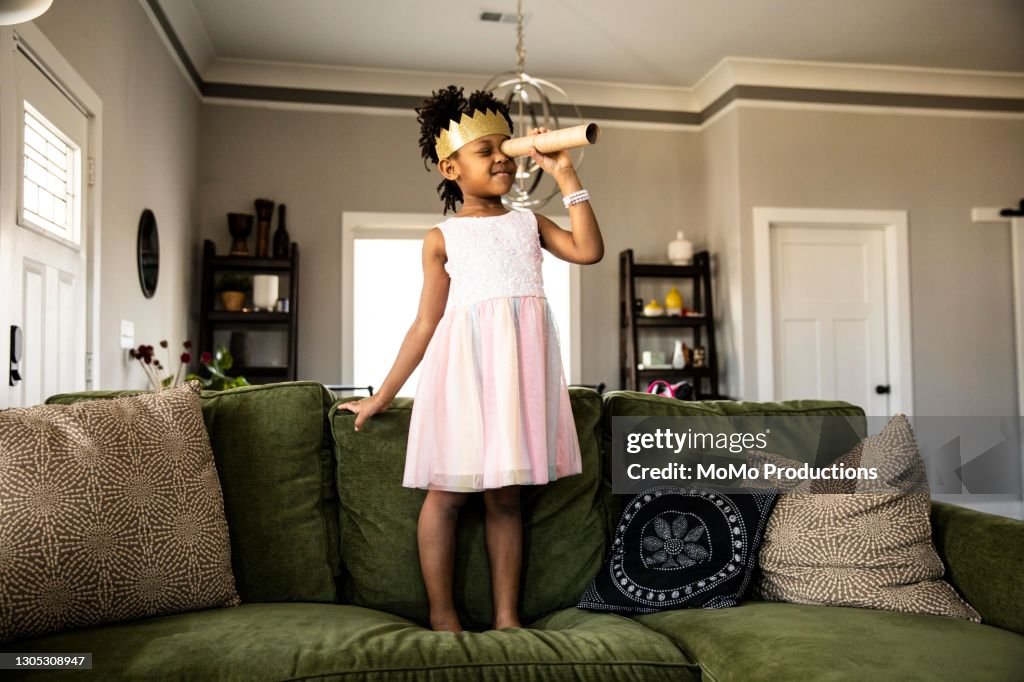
(233, 288)
(217, 366)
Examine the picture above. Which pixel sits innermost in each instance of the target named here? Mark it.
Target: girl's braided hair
(437, 113)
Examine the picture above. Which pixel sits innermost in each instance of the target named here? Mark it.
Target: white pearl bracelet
(576, 198)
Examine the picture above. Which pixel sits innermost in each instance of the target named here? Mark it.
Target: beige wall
(644, 184)
(720, 163)
(935, 167)
(150, 142)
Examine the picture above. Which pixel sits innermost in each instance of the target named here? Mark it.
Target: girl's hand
(554, 163)
(364, 409)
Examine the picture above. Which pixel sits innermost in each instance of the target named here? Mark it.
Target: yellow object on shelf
(673, 302)
(653, 309)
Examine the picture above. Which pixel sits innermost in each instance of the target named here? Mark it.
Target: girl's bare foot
(445, 622)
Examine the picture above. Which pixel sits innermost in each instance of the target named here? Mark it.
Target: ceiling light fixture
(530, 105)
(19, 11)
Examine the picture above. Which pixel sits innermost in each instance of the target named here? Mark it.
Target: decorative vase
(264, 291)
(232, 300)
(674, 302)
(680, 250)
(678, 358)
(653, 309)
(264, 215)
(281, 239)
(240, 227)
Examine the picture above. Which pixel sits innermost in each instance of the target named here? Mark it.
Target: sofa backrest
(563, 523)
(275, 462)
(790, 442)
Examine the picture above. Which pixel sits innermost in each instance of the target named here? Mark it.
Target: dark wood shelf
(250, 263)
(679, 371)
(243, 323)
(665, 270)
(260, 317)
(632, 320)
(642, 321)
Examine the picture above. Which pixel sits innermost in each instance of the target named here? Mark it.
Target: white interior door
(829, 326)
(44, 260)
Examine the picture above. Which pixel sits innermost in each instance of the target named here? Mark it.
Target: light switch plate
(127, 334)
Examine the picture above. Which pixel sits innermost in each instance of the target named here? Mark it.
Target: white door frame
(351, 221)
(991, 215)
(897, 291)
(31, 41)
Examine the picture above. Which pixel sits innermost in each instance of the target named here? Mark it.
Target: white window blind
(49, 180)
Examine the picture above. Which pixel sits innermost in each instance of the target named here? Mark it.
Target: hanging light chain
(520, 50)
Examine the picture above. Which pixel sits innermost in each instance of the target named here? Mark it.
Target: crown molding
(419, 83)
(734, 79)
(833, 76)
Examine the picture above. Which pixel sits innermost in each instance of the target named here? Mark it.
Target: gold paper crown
(470, 128)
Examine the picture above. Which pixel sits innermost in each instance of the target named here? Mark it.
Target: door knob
(882, 389)
(14, 375)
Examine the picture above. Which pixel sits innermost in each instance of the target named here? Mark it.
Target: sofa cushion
(860, 542)
(273, 453)
(674, 548)
(775, 641)
(332, 641)
(109, 512)
(563, 528)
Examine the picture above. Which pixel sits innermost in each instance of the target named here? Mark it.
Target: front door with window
(44, 261)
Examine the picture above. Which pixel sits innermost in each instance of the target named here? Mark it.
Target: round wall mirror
(149, 253)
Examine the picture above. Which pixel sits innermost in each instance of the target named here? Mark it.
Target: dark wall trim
(165, 24)
(881, 99)
(740, 92)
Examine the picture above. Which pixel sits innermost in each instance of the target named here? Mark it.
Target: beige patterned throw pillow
(110, 510)
(847, 544)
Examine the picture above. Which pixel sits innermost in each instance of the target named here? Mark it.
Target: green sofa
(324, 556)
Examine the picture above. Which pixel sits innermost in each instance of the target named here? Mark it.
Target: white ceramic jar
(680, 250)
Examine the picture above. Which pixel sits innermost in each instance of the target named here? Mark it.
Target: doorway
(48, 128)
(832, 307)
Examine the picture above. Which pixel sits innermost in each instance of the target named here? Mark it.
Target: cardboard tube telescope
(553, 141)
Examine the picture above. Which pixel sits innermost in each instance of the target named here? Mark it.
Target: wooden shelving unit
(632, 322)
(211, 319)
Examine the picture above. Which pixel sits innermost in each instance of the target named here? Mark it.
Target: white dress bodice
(492, 257)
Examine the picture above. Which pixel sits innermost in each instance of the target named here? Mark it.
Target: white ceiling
(651, 42)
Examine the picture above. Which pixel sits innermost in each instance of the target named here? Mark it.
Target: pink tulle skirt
(492, 407)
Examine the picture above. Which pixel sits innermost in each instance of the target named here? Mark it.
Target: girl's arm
(433, 300)
(584, 244)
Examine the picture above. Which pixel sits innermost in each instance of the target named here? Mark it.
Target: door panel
(828, 287)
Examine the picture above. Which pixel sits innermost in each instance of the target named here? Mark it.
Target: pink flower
(186, 358)
(206, 358)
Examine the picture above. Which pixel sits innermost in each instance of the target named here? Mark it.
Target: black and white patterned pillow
(674, 548)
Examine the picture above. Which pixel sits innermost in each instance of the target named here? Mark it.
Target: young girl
(491, 411)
